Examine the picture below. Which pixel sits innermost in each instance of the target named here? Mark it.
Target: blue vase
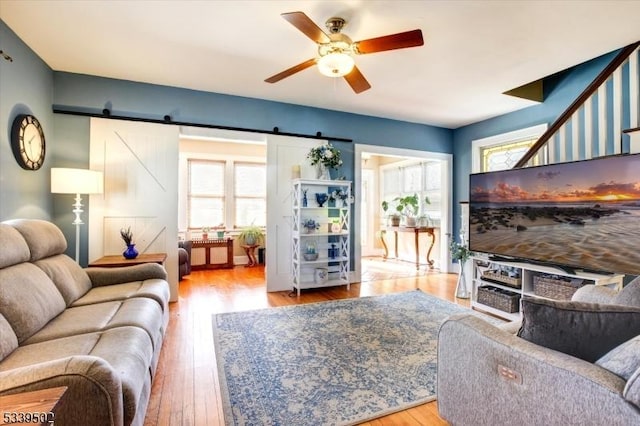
(321, 198)
(130, 252)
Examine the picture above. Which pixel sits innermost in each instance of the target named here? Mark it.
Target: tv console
(498, 283)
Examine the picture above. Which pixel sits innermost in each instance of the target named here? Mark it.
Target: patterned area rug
(329, 363)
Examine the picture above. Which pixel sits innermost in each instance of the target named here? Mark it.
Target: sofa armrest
(488, 376)
(125, 274)
(595, 294)
(94, 390)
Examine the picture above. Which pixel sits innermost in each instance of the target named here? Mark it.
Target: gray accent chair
(487, 375)
(97, 331)
(184, 258)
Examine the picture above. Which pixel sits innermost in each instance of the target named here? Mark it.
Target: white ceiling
(474, 50)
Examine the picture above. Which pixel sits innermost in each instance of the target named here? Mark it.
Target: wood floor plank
(186, 388)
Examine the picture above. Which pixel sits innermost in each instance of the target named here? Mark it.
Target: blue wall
(26, 87)
(560, 91)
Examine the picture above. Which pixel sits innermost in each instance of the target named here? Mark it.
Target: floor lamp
(76, 181)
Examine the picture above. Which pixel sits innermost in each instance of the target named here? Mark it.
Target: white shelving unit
(525, 273)
(327, 241)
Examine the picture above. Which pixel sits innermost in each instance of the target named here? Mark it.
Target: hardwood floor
(186, 391)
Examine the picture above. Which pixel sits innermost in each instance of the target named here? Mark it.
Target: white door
(283, 152)
(140, 165)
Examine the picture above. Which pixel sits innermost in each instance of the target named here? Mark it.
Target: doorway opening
(386, 174)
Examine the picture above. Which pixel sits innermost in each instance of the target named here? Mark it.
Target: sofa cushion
(14, 248)
(629, 295)
(126, 349)
(43, 238)
(29, 299)
(153, 289)
(584, 330)
(8, 339)
(623, 360)
(70, 279)
(138, 312)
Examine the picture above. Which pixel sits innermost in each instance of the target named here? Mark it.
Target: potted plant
(205, 232)
(342, 196)
(251, 235)
(393, 217)
(461, 253)
(219, 230)
(409, 206)
(127, 237)
(324, 157)
(310, 225)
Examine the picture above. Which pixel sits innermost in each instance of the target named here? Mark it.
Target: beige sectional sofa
(97, 331)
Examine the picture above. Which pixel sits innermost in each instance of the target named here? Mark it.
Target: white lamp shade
(335, 64)
(76, 181)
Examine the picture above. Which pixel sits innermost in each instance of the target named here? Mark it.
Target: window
(250, 194)
(504, 156)
(421, 178)
(226, 192)
(503, 151)
(206, 196)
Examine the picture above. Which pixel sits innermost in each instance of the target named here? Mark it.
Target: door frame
(447, 197)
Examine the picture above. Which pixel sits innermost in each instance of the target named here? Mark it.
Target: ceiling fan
(336, 50)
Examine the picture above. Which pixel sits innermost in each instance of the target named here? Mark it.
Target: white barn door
(283, 152)
(140, 165)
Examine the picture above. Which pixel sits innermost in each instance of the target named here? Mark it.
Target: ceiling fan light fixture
(337, 64)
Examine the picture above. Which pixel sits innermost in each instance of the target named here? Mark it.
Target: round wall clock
(27, 142)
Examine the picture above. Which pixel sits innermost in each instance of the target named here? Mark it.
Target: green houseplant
(409, 206)
(251, 235)
(394, 217)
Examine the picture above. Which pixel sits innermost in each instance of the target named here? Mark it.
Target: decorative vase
(395, 220)
(461, 288)
(322, 172)
(130, 252)
(321, 198)
(321, 275)
(220, 234)
(410, 222)
(305, 202)
(205, 236)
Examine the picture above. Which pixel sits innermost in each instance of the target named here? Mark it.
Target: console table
(116, 261)
(207, 245)
(416, 231)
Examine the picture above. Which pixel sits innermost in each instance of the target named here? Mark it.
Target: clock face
(27, 141)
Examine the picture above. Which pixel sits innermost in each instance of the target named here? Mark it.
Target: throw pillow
(623, 360)
(584, 330)
(629, 295)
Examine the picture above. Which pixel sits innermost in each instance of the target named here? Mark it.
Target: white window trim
(503, 138)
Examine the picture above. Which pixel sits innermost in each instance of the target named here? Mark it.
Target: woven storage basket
(497, 277)
(553, 287)
(498, 298)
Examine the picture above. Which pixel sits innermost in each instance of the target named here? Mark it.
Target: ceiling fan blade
(390, 42)
(357, 81)
(289, 72)
(307, 26)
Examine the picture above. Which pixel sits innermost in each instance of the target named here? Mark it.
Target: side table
(251, 254)
(115, 261)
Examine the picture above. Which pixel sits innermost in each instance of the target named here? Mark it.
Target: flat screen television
(582, 215)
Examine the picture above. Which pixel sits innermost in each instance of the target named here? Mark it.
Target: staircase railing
(593, 124)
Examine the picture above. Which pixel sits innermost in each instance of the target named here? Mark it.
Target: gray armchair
(487, 375)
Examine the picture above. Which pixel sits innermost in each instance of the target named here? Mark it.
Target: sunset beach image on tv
(582, 215)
